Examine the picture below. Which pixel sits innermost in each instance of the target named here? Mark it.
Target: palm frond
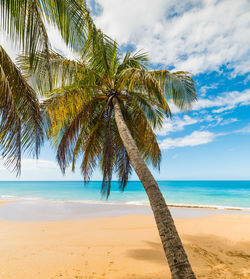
(122, 162)
(66, 147)
(21, 122)
(62, 106)
(138, 60)
(154, 112)
(23, 21)
(101, 53)
(179, 87)
(140, 80)
(72, 18)
(147, 144)
(93, 146)
(64, 71)
(107, 158)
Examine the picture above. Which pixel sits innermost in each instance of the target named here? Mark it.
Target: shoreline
(138, 203)
(48, 211)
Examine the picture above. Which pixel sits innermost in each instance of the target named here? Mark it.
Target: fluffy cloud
(226, 101)
(203, 90)
(196, 138)
(177, 124)
(196, 35)
(219, 104)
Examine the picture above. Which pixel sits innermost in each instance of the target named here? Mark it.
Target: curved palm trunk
(174, 251)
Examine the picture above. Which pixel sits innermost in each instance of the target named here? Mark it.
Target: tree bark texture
(173, 248)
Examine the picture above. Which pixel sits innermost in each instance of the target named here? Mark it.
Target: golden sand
(125, 247)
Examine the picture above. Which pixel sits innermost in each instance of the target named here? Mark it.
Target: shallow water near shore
(42, 211)
(217, 194)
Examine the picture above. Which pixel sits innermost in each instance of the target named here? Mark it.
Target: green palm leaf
(25, 21)
(178, 86)
(21, 123)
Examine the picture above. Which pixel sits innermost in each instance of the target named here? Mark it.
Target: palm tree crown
(79, 110)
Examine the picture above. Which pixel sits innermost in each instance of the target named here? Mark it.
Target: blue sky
(211, 40)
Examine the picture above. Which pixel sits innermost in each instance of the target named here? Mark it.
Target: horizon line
(128, 181)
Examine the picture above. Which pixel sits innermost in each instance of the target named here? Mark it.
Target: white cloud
(229, 121)
(246, 79)
(225, 101)
(204, 89)
(196, 138)
(32, 164)
(244, 130)
(177, 124)
(216, 120)
(194, 35)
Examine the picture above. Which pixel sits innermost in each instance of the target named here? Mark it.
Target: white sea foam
(146, 203)
(209, 206)
(124, 203)
(142, 202)
(7, 196)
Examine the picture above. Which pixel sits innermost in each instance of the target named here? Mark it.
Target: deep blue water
(204, 193)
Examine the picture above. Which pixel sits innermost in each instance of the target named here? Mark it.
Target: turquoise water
(222, 194)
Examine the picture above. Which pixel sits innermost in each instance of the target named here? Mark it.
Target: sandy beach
(122, 247)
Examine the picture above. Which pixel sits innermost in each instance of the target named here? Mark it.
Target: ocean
(218, 194)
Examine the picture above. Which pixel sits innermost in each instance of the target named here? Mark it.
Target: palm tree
(105, 109)
(25, 22)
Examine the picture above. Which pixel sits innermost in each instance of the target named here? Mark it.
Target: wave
(146, 203)
(216, 207)
(123, 203)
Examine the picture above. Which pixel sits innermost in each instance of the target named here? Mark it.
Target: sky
(208, 38)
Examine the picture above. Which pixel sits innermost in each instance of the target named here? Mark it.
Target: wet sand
(120, 247)
(42, 211)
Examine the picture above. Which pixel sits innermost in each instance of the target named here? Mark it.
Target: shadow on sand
(211, 257)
